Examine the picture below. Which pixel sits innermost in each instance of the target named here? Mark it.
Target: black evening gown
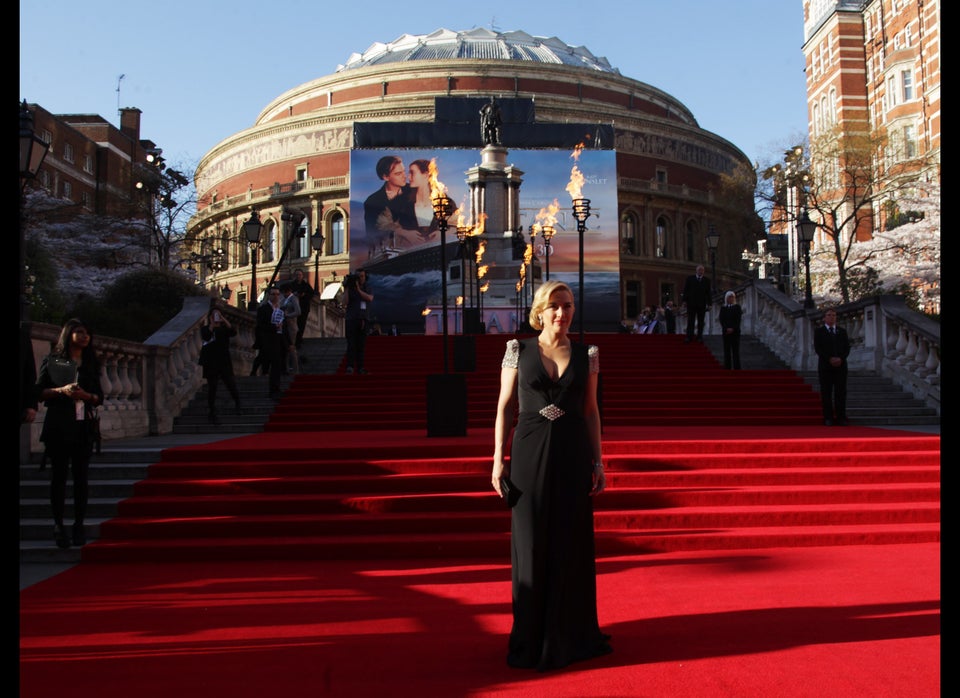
(552, 549)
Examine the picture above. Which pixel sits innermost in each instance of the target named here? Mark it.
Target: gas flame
(481, 248)
(483, 289)
(425, 312)
(527, 255)
(547, 216)
(438, 188)
(575, 185)
(459, 300)
(482, 271)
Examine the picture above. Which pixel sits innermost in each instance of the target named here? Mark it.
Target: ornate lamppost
(807, 229)
(581, 211)
(251, 230)
(713, 241)
(462, 231)
(443, 208)
(548, 231)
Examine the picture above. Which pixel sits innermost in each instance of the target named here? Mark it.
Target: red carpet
(748, 552)
(825, 622)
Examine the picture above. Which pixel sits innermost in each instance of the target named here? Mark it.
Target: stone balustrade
(147, 385)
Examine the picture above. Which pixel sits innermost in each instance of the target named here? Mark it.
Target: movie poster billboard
(394, 236)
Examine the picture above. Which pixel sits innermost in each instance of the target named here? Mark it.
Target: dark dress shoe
(60, 537)
(828, 422)
(842, 422)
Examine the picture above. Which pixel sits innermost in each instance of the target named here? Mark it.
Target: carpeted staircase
(649, 380)
(698, 458)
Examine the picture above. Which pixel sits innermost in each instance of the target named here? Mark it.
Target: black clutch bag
(511, 493)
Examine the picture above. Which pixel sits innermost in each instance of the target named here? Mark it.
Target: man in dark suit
(696, 296)
(833, 347)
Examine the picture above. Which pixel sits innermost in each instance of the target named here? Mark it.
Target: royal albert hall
(421, 96)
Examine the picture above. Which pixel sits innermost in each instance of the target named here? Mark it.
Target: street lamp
(713, 241)
(581, 211)
(251, 230)
(548, 231)
(316, 242)
(33, 150)
(806, 228)
(443, 208)
(462, 231)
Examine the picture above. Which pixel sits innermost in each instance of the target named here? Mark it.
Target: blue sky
(203, 70)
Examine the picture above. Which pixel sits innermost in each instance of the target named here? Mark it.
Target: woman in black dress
(555, 462)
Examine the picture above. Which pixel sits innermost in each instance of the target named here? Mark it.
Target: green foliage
(136, 305)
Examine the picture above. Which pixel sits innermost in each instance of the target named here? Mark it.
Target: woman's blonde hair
(728, 294)
(542, 297)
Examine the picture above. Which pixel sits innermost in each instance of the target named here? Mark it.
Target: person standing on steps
(270, 328)
(355, 322)
(69, 385)
(556, 466)
(305, 293)
(832, 347)
(215, 357)
(730, 315)
(696, 297)
(291, 312)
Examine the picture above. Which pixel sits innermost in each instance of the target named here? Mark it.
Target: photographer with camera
(355, 300)
(215, 357)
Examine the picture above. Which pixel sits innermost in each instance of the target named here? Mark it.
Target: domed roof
(482, 44)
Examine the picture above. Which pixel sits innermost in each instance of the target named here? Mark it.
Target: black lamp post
(548, 231)
(316, 242)
(581, 211)
(462, 231)
(251, 230)
(443, 208)
(33, 150)
(806, 229)
(713, 241)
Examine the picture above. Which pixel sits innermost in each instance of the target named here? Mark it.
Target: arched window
(269, 241)
(302, 244)
(628, 234)
(338, 234)
(662, 237)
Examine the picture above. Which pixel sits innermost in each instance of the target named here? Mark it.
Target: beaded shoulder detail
(593, 353)
(511, 357)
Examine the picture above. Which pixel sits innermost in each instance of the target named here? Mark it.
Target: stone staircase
(122, 463)
(872, 400)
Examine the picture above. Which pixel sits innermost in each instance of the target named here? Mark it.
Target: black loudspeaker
(464, 353)
(471, 321)
(447, 404)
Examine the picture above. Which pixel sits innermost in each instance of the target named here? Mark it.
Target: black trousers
(833, 392)
(215, 374)
(731, 351)
(695, 314)
(356, 330)
(69, 458)
(276, 356)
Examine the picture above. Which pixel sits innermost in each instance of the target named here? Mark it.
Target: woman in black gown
(555, 462)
